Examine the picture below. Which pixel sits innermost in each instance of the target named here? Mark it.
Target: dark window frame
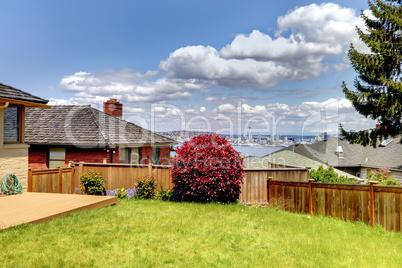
(156, 154)
(21, 124)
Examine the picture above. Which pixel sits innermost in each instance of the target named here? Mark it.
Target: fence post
(310, 197)
(29, 180)
(60, 180)
(372, 204)
(150, 170)
(269, 189)
(72, 178)
(80, 168)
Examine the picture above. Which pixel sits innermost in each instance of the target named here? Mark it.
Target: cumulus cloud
(261, 61)
(328, 24)
(305, 38)
(128, 85)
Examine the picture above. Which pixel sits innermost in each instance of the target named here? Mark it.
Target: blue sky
(274, 66)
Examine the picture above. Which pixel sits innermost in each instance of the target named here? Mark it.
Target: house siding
(39, 156)
(397, 175)
(164, 157)
(89, 156)
(13, 158)
(146, 155)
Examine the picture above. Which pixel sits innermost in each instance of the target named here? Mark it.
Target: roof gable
(74, 125)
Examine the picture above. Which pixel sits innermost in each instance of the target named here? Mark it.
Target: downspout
(5, 105)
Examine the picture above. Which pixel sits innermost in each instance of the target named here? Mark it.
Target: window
(13, 124)
(57, 157)
(155, 155)
(125, 155)
(135, 156)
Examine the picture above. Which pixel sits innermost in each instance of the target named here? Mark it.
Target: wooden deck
(41, 207)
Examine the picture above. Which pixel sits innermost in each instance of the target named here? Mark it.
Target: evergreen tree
(378, 85)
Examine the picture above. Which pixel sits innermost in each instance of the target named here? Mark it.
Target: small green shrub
(329, 176)
(93, 183)
(146, 188)
(383, 177)
(121, 193)
(164, 194)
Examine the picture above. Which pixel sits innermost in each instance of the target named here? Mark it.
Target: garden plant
(383, 177)
(329, 176)
(207, 169)
(93, 183)
(146, 188)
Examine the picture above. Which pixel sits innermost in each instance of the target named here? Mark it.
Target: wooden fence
(125, 176)
(255, 188)
(371, 204)
(67, 180)
(51, 180)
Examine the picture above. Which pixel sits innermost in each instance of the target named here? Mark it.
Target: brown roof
(8, 92)
(82, 125)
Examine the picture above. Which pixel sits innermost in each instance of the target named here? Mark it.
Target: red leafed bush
(206, 169)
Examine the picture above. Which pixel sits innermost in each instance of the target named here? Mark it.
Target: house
(81, 133)
(354, 159)
(286, 158)
(13, 149)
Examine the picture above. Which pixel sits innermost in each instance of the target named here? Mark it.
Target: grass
(155, 233)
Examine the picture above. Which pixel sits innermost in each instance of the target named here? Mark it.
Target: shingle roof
(9, 92)
(289, 158)
(75, 125)
(354, 155)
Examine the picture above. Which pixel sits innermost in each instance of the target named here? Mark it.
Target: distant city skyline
(222, 66)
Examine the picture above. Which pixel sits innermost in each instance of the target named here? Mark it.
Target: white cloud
(258, 60)
(322, 24)
(53, 101)
(134, 109)
(125, 84)
(226, 108)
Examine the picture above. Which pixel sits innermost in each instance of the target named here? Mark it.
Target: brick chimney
(113, 107)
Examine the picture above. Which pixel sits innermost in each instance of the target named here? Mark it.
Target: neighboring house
(353, 158)
(13, 150)
(285, 158)
(81, 133)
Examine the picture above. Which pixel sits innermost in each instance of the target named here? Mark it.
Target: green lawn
(159, 234)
